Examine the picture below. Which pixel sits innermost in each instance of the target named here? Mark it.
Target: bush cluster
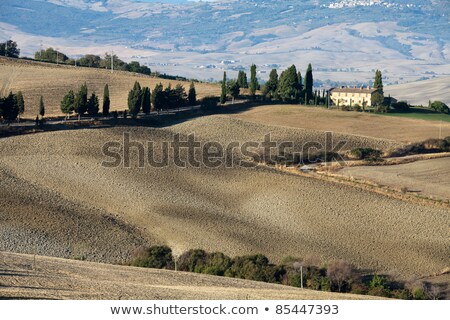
(365, 154)
(427, 146)
(210, 104)
(336, 276)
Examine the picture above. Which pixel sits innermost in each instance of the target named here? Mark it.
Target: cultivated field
(355, 123)
(53, 278)
(234, 210)
(53, 82)
(427, 177)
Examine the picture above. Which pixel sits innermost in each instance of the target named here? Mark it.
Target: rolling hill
(235, 210)
(344, 40)
(420, 92)
(53, 82)
(53, 278)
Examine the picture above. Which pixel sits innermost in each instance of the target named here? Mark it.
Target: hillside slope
(234, 210)
(420, 92)
(53, 82)
(54, 278)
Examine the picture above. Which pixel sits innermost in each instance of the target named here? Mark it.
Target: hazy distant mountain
(344, 40)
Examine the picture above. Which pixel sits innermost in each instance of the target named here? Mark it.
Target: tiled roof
(354, 90)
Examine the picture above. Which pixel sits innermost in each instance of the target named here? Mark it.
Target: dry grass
(355, 123)
(428, 177)
(53, 278)
(53, 82)
(237, 211)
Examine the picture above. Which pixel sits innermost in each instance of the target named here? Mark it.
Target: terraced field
(55, 81)
(234, 210)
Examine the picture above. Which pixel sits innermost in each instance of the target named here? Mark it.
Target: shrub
(419, 294)
(340, 274)
(436, 145)
(401, 106)
(439, 106)
(381, 109)
(359, 288)
(217, 264)
(193, 261)
(210, 104)
(255, 267)
(159, 257)
(357, 107)
(365, 153)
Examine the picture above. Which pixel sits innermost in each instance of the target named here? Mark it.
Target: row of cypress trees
(289, 86)
(142, 99)
(80, 103)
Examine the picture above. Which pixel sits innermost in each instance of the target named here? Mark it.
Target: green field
(420, 113)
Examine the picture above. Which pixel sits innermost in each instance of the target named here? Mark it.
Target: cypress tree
(41, 107)
(192, 95)
(146, 98)
(10, 108)
(20, 102)
(93, 105)
(67, 104)
(234, 89)
(253, 81)
(135, 99)
(106, 101)
(300, 81)
(378, 84)
(242, 79)
(80, 105)
(309, 84)
(223, 95)
(157, 97)
(272, 84)
(378, 97)
(288, 86)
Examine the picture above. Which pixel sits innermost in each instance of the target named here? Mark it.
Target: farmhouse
(352, 96)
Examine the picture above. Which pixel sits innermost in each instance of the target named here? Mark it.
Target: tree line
(80, 102)
(144, 100)
(336, 276)
(289, 86)
(9, 49)
(92, 61)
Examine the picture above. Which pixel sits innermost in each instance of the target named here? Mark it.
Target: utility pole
(6, 48)
(57, 56)
(301, 276)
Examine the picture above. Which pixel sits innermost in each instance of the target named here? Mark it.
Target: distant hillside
(54, 278)
(54, 81)
(420, 92)
(344, 39)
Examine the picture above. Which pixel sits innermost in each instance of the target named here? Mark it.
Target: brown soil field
(23, 277)
(427, 177)
(234, 210)
(355, 123)
(54, 81)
